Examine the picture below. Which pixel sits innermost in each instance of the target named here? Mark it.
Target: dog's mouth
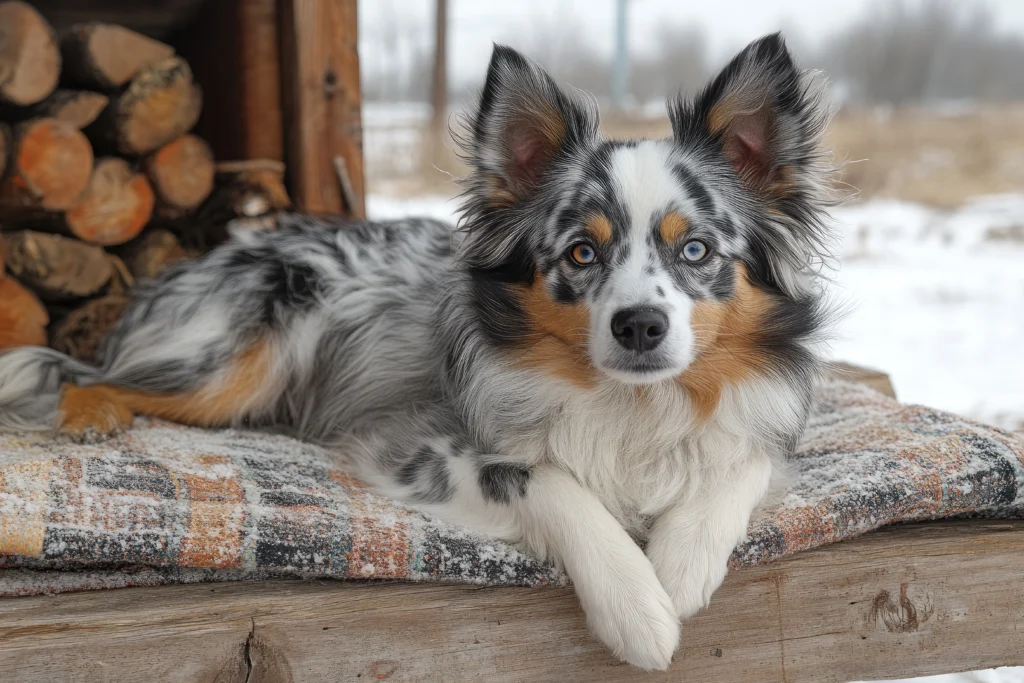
(641, 370)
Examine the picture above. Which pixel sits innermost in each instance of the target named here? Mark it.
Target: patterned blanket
(164, 503)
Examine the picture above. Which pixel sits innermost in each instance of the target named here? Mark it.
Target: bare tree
(902, 53)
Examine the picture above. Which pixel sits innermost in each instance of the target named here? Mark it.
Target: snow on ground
(935, 298)
(1009, 674)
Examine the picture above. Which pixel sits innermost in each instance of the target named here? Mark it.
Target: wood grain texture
(906, 600)
(76, 107)
(322, 104)
(107, 56)
(233, 47)
(877, 380)
(160, 104)
(49, 166)
(23, 319)
(29, 57)
(81, 332)
(115, 206)
(181, 173)
(148, 255)
(260, 78)
(55, 267)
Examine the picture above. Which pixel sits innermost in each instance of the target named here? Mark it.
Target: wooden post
(439, 91)
(233, 47)
(320, 75)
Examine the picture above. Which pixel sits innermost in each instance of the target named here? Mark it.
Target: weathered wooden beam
(323, 144)
(877, 380)
(905, 600)
(234, 49)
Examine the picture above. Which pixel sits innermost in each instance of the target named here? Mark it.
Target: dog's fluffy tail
(30, 383)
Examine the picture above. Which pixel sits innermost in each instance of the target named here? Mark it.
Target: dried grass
(934, 157)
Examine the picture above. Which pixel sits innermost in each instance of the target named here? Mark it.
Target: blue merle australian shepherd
(608, 362)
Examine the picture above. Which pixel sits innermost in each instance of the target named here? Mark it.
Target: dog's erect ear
(765, 115)
(522, 124)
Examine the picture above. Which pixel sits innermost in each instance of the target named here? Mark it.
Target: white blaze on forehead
(645, 188)
(644, 182)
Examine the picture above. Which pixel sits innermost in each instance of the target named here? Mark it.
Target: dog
(614, 350)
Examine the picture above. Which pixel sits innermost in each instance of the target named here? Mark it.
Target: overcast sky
(728, 24)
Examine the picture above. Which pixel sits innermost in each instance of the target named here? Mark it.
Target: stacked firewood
(101, 182)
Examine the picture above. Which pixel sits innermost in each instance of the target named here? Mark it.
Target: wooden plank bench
(905, 600)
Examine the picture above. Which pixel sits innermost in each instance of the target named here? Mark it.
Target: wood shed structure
(280, 84)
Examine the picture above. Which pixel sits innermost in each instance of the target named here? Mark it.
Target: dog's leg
(548, 511)
(690, 544)
(244, 386)
(626, 606)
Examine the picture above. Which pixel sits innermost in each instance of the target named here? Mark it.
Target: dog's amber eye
(695, 250)
(583, 254)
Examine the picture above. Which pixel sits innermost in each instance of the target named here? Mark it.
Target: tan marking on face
(105, 409)
(599, 227)
(672, 227)
(728, 343)
(560, 332)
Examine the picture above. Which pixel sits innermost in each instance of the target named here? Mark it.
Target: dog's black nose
(639, 329)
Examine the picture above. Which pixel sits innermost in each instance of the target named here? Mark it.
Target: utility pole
(439, 87)
(620, 65)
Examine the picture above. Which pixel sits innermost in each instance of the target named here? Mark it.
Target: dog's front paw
(635, 618)
(690, 572)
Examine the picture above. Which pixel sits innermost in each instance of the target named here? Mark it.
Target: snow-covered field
(935, 298)
(1008, 674)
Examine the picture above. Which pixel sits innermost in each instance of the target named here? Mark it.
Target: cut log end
(161, 104)
(50, 166)
(29, 56)
(150, 254)
(23, 319)
(182, 174)
(115, 207)
(55, 267)
(253, 189)
(76, 107)
(106, 56)
(81, 333)
(246, 197)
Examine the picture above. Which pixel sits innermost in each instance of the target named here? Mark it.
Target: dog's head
(647, 260)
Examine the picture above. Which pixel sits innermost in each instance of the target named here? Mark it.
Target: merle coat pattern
(616, 346)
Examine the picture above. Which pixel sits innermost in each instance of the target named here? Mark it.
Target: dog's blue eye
(694, 250)
(583, 254)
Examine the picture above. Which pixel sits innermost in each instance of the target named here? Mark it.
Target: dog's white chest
(639, 453)
(642, 452)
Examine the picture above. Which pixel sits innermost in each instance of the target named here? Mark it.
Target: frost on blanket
(169, 504)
